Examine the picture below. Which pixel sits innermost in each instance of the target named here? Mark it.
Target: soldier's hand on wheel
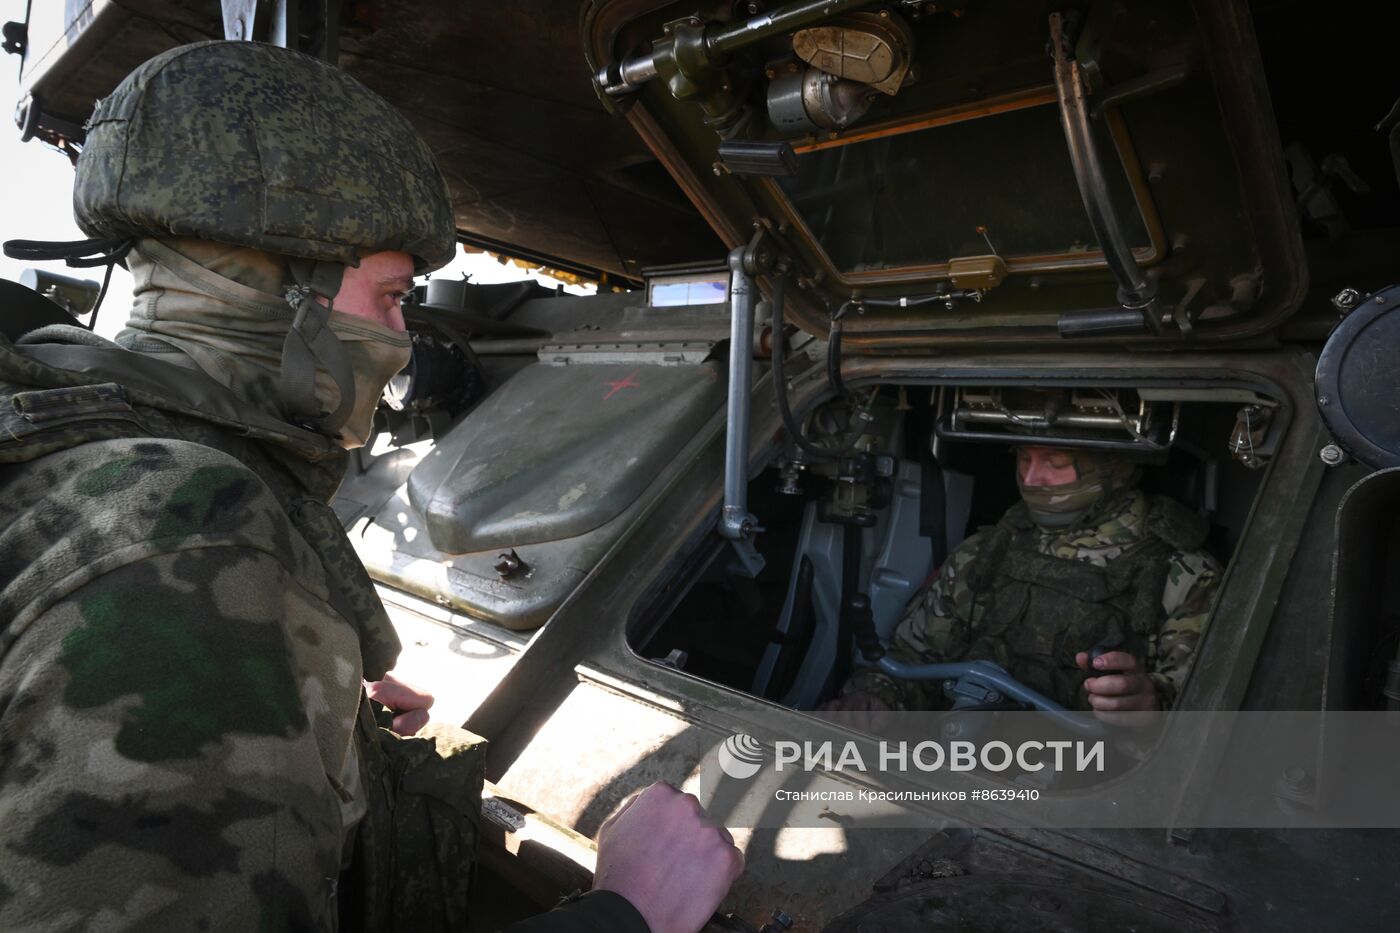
(410, 704)
(1126, 689)
(662, 853)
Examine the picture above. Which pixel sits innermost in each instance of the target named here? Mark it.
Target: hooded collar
(213, 308)
(63, 356)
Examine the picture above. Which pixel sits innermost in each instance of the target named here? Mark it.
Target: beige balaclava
(220, 309)
(1099, 475)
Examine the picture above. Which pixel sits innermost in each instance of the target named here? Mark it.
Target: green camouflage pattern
(77, 387)
(260, 146)
(1158, 608)
(183, 731)
(178, 698)
(415, 862)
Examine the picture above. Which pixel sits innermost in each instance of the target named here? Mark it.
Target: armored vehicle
(847, 253)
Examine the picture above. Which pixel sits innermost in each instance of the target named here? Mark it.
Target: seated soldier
(1086, 560)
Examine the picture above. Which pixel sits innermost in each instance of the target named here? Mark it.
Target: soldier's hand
(410, 704)
(859, 710)
(662, 853)
(1127, 689)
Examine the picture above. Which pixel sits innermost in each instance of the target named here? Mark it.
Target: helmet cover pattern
(261, 146)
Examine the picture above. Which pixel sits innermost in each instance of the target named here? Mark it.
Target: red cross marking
(620, 384)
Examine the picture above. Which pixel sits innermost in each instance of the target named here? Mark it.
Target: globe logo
(740, 756)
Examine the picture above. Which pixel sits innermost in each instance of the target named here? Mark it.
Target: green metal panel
(558, 451)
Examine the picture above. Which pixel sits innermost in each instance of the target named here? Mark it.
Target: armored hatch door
(932, 166)
(513, 507)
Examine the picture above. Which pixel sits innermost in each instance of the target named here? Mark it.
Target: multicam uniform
(1030, 599)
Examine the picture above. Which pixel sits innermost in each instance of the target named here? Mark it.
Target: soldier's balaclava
(225, 310)
(1098, 476)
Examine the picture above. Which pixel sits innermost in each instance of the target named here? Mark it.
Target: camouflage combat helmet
(261, 146)
(266, 148)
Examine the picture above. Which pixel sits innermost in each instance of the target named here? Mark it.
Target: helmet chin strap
(311, 341)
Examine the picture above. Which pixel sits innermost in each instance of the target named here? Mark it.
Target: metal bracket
(33, 121)
(240, 18)
(1250, 441)
(692, 56)
(282, 22)
(688, 55)
(649, 354)
(750, 561)
(1182, 312)
(759, 255)
(16, 38)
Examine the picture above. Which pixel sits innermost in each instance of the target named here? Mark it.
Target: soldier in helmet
(1085, 560)
(185, 741)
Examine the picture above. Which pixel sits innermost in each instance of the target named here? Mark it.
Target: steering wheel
(994, 679)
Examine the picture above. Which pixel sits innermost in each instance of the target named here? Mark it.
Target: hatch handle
(1137, 292)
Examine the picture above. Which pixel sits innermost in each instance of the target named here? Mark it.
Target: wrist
(612, 910)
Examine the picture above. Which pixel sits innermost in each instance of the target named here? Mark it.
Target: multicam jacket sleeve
(1192, 582)
(176, 699)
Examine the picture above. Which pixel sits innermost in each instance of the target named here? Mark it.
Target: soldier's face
(374, 289)
(1045, 466)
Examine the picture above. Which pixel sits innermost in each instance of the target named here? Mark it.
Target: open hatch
(963, 171)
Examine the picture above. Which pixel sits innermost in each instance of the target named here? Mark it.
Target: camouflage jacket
(183, 635)
(948, 620)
